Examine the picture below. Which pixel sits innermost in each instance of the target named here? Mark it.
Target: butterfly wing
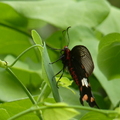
(83, 56)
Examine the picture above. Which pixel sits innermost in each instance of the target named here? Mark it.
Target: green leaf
(13, 108)
(64, 82)
(88, 12)
(12, 19)
(59, 112)
(31, 72)
(12, 30)
(118, 110)
(109, 56)
(47, 70)
(12, 42)
(37, 39)
(10, 89)
(9, 13)
(111, 23)
(95, 116)
(50, 74)
(3, 114)
(14, 33)
(108, 61)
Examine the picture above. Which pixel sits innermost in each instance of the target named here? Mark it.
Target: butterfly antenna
(65, 32)
(68, 37)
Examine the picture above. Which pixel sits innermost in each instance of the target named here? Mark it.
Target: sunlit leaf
(111, 23)
(66, 17)
(9, 109)
(3, 114)
(58, 112)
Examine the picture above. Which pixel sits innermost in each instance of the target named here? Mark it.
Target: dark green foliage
(27, 87)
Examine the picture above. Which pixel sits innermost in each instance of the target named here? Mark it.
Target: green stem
(28, 94)
(45, 91)
(71, 106)
(24, 53)
(93, 109)
(20, 114)
(37, 109)
(22, 85)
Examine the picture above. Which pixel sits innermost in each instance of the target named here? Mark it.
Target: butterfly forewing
(83, 56)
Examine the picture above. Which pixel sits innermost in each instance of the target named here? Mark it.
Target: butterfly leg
(56, 60)
(62, 70)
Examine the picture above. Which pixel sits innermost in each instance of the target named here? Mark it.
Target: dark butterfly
(80, 65)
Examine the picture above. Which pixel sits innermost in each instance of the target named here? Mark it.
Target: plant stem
(22, 85)
(24, 53)
(93, 109)
(27, 92)
(20, 114)
(41, 96)
(32, 109)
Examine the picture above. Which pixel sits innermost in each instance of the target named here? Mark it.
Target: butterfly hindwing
(82, 64)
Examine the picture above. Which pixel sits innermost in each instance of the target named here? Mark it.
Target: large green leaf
(111, 23)
(66, 12)
(30, 77)
(109, 56)
(12, 108)
(9, 88)
(108, 61)
(11, 40)
(14, 37)
(3, 114)
(18, 17)
(22, 110)
(12, 19)
(12, 29)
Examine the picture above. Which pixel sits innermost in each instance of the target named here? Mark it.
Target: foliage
(27, 86)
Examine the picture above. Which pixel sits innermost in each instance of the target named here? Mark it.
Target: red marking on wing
(86, 95)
